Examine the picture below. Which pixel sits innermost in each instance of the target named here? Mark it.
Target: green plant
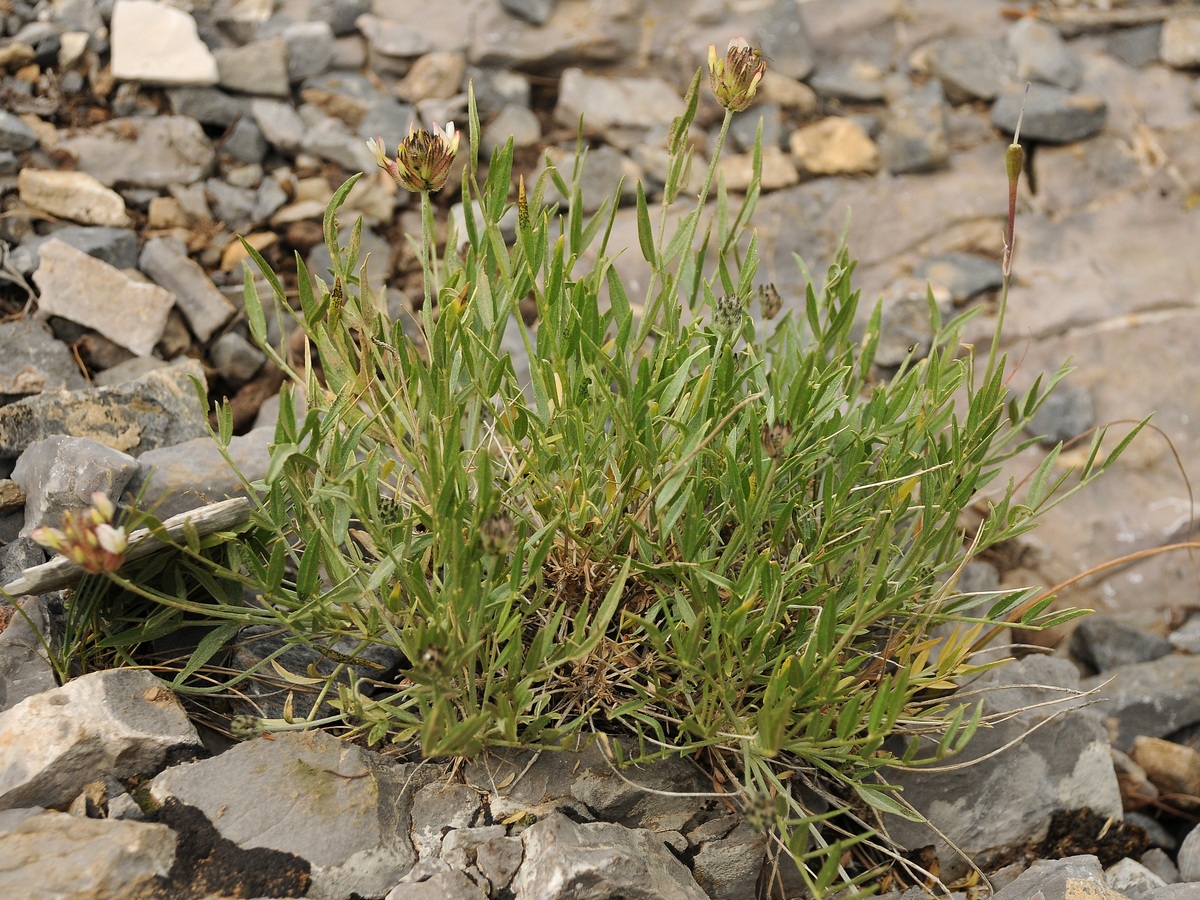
(690, 532)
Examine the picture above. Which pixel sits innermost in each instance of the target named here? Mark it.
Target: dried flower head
(498, 535)
(735, 78)
(728, 313)
(775, 437)
(769, 301)
(87, 537)
(423, 159)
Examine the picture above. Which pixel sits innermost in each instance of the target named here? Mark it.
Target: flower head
(423, 159)
(769, 301)
(87, 537)
(735, 78)
(728, 313)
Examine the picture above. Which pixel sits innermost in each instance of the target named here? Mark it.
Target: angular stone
(83, 289)
(606, 104)
(116, 246)
(437, 75)
(440, 807)
(72, 195)
(341, 808)
(15, 135)
(144, 151)
(834, 146)
(309, 49)
(1180, 45)
(260, 67)
(1173, 768)
(118, 722)
(280, 124)
(158, 410)
(964, 275)
(1051, 114)
(158, 43)
(1151, 698)
(60, 474)
(915, 138)
(577, 33)
(970, 68)
(1042, 55)
(25, 670)
(783, 36)
(728, 867)
(192, 473)
(236, 358)
(778, 170)
(1101, 641)
(858, 81)
(209, 105)
(94, 858)
(535, 12)
(32, 360)
(206, 309)
(1073, 878)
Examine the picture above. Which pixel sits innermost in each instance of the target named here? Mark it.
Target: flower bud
(735, 78)
(728, 314)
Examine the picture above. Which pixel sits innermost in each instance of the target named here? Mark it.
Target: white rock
(86, 290)
(72, 195)
(158, 43)
(834, 146)
(1180, 42)
(1130, 877)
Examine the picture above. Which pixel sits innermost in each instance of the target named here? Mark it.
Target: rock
(1136, 47)
(834, 146)
(599, 859)
(327, 138)
(94, 858)
(236, 359)
(244, 143)
(15, 135)
(1051, 114)
(1151, 698)
(392, 39)
(783, 36)
(116, 246)
(158, 410)
(1189, 856)
(728, 867)
(964, 275)
(438, 808)
(129, 370)
(857, 81)
(72, 195)
(82, 289)
(152, 152)
(1180, 46)
(310, 48)
(915, 137)
(1042, 55)
(1008, 799)
(446, 884)
(624, 109)
(341, 808)
(1159, 836)
(778, 170)
(158, 43)
(1170, 892)
(1073, 878)
(279, 123)
(577, 33)
(1157, 861)
(119, 722)
(513, 121)
(206, 309)
(1173, 768)
(904, 326)
(788, 93)
(437, 75)
(260, 67)
(60, 474)
(743, 130)
(970, 68)
(32, 361)
(209, 105)
(25, 670)
(1102, 641)
(535, 12)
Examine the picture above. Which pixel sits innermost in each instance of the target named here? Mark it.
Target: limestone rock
(119, 722)
(778, 170)
(834, 146)
(25, 671)
(260, 67)
(616, 104)
(146, 151)
(1180, 42)
(206, 309)
(1151, 698)
(61, 473)
(1073, 878)
(1052, 114)
(83, 289)
(158, 43)
(72, 195)
(1173, 768)
(32, 361)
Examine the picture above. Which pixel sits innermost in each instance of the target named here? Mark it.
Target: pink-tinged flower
(87, 537)
(735, 78)
(423, 159)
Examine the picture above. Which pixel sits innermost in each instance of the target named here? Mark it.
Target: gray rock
(598, 32)
(1188, 859)
(599, 859)
(783, 36)
(32, 361)
(209, 105)
(1061, 879)
(119, 722)
(1130, 877)
(279, 123)
(1180, 42)
(245, 142)
(343, 95)
(535, 12)
(1170, 892)
(1159, 836)
(376, 256)
(1105, 643)
(904, 324)
(1152, 698)
(129, 370)
(232, 206)
(727, 867)
(392, 39)
(341, 808)
(309, 49)
(513, 121)
(61, 473)
(189, 474)
(624, 109)
(1065, 415)
(390, 120)
(116, 246)
(152, 152)
(1042, 55)
(158, 410)
(446, 884)
(1157, 861)
(260, 67)
(438, 807)
(329, 139)
(915, 138)
(498, 859)
(15, 135)
(1052, 114)
(964, 275)
(857, 80)
(86, 290)
(1136, 47)
(95, 858)
(206, 309)
(971, 68)
(25, 670)
(497, 88)
(1008, 799)
(157, 43)
(236, 358)
(744, 129)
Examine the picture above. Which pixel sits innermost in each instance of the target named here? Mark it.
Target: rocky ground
(138, 138)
